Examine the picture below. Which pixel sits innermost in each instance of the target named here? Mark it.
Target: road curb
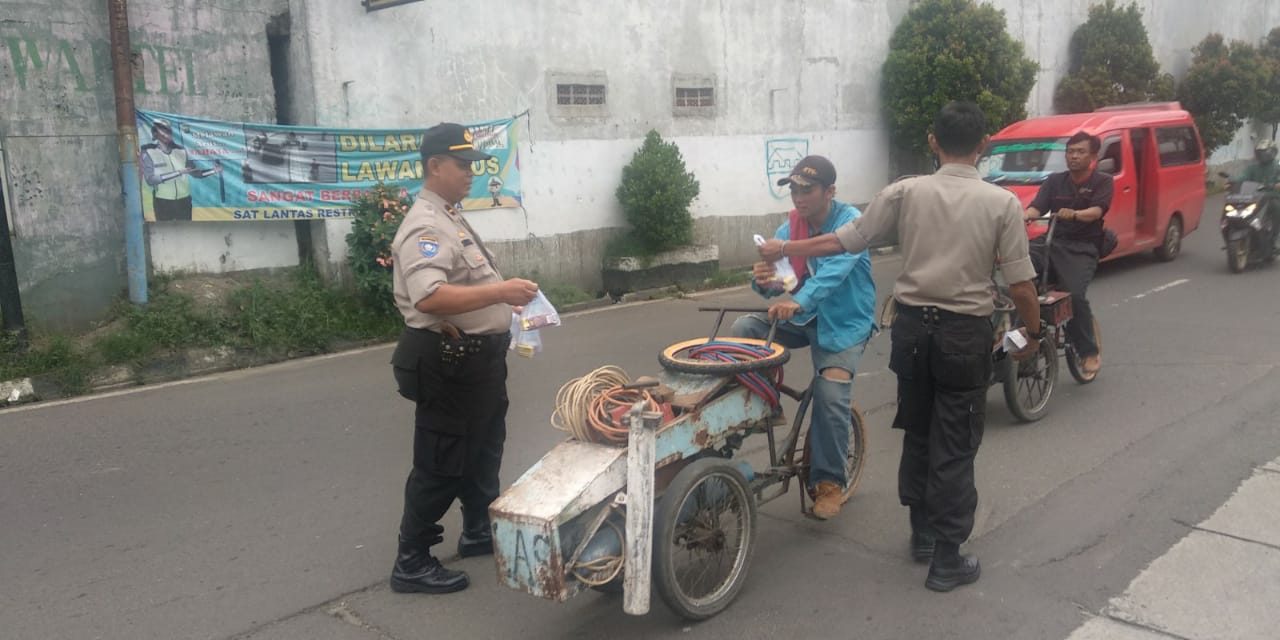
(198, 362)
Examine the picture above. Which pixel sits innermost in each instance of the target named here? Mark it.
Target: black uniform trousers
(1072, 264)
(943, 363)
(459, 387)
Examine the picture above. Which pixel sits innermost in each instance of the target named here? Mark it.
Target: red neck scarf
(799, 228)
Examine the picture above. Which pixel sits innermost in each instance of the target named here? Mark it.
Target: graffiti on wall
(780, 155)
(36, 60)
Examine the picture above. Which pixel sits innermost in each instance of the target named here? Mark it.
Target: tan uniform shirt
(952, 228)
(435, 246)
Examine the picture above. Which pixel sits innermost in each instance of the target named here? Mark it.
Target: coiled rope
(585, 406)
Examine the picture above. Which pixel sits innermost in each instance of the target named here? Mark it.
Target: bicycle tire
(675, 521)
(669, 358)
(855, 459)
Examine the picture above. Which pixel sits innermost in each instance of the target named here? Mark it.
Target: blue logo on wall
(780, 156)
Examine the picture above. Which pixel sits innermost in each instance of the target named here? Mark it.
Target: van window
(1177, 145)
(1023, 161)
(1111, 150)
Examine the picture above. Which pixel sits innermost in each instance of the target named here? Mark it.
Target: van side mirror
(1107, 165)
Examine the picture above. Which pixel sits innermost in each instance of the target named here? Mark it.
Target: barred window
(580, 94)
(695, 97)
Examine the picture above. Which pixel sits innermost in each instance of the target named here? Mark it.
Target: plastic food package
(784, 277)
(539, 313)
(527, 343)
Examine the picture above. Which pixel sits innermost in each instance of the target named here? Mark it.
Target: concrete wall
(782, 70)
(790, 76)
(58, 135)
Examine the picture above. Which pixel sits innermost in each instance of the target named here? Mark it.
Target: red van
(1153, 150)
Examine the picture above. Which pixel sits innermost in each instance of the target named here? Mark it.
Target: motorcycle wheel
(1028, 384)
(1238, 255)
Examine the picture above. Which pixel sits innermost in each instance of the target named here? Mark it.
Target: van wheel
(1172, 244)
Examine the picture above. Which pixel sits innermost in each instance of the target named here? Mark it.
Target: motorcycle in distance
(1247, 224)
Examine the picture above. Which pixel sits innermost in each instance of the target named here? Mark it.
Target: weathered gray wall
(58, 129)
(794, 69)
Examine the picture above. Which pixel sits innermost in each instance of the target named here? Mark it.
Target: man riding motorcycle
(1267, 173)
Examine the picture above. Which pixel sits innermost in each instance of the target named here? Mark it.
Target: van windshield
(1023, 161)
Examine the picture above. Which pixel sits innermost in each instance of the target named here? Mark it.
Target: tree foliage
(655, 194)
(1111, 62)
(948, 50)
(1268, 111)
(1222, 88)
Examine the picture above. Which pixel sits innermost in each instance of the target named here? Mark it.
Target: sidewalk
(1221, 581)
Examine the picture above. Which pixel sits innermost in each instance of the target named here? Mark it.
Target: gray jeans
(832, 417)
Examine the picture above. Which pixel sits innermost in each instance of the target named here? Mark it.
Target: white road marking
(1158, 289)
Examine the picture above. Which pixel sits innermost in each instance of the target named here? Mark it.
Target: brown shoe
(827, 500)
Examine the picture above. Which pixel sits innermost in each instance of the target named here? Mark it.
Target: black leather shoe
(417, 571)
(950, 569)
(922, 544)
(476, 540)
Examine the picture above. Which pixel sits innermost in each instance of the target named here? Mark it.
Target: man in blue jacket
(831, 310)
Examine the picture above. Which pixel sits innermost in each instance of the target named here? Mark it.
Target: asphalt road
(264, 503)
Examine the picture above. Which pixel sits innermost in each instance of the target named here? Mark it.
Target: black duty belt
(931, 313)
(485, 342)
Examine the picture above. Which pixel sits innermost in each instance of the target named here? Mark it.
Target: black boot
(949, 569)
(922, 538)
(417, 571)
(476, 538)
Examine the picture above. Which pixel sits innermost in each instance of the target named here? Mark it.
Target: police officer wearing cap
(166, 168)
(952, 228)
(451, 361)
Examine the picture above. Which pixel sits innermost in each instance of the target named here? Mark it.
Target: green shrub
(1222, 88)
(1111, 63)
(378, 215)
(655, 195)
(946, 50)
(1268, 111)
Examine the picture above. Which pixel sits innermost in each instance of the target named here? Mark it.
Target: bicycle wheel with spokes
(855, 460)
(1074, 361)
(1029, 383)
(704, 535)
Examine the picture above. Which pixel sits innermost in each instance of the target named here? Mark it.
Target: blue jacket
(839, 291)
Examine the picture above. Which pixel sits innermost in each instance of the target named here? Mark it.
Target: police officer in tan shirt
(451, 361)
(952, 228)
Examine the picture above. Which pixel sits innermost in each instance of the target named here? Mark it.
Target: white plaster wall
(221, 247)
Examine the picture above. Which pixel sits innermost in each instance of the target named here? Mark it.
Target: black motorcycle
(1248, 224)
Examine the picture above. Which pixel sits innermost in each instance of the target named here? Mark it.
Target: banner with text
(208, 170)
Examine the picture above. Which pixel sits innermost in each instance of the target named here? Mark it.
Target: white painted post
(639, 551)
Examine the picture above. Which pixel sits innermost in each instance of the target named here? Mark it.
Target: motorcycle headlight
(1232, 212)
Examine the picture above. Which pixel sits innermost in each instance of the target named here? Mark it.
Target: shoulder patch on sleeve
(428, 246)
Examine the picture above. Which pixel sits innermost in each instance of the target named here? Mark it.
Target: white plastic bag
(538, 314)
(784, 277)
(527, 343)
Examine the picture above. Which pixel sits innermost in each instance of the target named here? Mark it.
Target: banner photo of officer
(194, 169)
